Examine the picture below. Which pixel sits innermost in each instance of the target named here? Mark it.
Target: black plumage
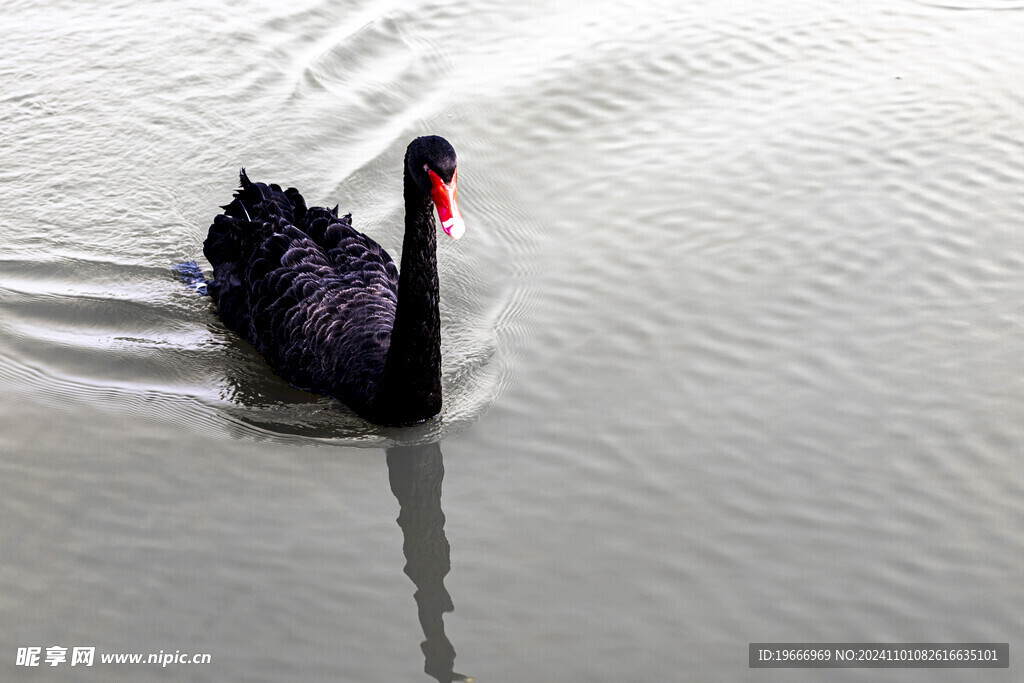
(326, 305)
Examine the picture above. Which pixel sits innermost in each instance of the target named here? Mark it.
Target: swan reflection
(415, 473)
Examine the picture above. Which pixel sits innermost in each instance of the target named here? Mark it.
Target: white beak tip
(454, 227)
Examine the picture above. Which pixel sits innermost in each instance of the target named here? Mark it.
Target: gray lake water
(733, 345)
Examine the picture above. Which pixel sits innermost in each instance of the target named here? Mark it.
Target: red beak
(444, 196)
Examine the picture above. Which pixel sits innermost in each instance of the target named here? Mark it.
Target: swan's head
(431, 163)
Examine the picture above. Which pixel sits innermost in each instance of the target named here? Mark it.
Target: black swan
(325, 304)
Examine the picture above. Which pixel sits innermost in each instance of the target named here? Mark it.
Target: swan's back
(313, 295)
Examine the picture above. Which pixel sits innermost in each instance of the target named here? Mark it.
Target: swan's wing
(326, 326)
(351, 252)
(319, 309)
(260, 200)
(255, 212)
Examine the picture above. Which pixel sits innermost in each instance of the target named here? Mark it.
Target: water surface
(732, 347)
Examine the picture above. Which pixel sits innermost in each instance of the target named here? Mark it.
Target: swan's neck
(410, 389)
